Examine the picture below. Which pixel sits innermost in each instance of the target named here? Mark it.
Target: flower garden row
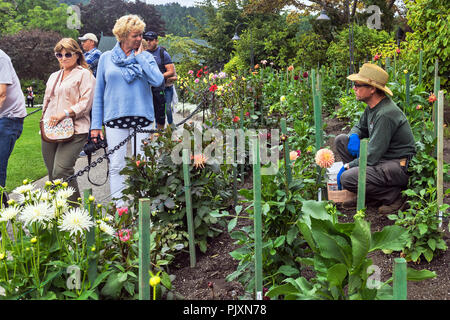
(47, 235)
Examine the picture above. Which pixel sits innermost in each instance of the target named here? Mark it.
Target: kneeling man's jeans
(10, 131)
(384, 181)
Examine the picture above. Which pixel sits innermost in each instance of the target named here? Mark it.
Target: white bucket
(331, 174)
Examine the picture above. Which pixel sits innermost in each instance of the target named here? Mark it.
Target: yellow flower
(2, 256)
(93, 249)
(405, 71)
(48, 183)
(33, 240)
(91, 198)
(65, 184)
(205, 80)
(154, 281)
(233, 78)
(324, 158)
(282, 98)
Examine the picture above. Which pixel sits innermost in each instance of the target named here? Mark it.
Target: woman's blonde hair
(72, 46)
(126, 24)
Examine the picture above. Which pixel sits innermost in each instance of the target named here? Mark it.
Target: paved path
(98, 174)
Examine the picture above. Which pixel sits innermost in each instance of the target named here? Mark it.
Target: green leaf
(336, 274)
(314, 209)
(288, 270)
(360, 237)
(113, 286)
(419, 275)
(291, 235)
(279, 241)
(391, 237)
(165, 280)
(333, 247)
(423, 228)
(281, 290)
(217, 214)
(232, 224)
(432, 243)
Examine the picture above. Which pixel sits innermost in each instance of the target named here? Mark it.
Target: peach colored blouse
(76, 92)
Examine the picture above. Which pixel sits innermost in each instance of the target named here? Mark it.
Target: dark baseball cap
(150, 35)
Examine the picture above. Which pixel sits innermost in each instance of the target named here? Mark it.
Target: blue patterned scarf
(129, 67)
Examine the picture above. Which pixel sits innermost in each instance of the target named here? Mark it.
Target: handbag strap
(89, 157)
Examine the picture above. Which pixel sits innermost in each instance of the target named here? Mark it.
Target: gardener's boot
(394, 207)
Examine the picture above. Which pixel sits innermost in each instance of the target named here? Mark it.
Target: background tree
(48, 15)
(177, 18)
(100, 15)
(31, 52)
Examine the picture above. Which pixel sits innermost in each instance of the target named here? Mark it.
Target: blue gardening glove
(339, 178)
(353, 145)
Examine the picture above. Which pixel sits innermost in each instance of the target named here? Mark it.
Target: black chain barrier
(121, 144)
(32, 112)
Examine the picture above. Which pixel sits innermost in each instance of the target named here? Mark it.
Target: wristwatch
(67, 113)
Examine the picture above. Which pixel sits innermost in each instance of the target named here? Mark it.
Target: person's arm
(3, 88)
(170, 71)
(154, 77)
(379, 141)
(98, 100)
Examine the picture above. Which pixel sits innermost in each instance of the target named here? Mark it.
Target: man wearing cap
(12, 112)
(162, 96)
(89, 43)
(390, 147)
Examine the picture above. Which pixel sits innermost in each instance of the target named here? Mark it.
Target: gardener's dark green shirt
(389, 133)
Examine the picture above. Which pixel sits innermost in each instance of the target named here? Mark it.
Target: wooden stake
(190, 220)
(144, 249)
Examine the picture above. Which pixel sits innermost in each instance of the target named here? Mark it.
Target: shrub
(31, 52)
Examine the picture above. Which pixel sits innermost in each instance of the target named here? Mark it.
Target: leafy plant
(340, 257)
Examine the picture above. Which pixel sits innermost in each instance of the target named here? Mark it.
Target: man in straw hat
(391, 143)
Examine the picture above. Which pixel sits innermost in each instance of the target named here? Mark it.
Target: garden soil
(216, 264)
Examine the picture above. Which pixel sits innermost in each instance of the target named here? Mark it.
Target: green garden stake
(400, 283)
(287, 161)
(318, 121)
(190, 220)
(347, 82)
(420, 66)
(388, 64)
(407, 88)
(440, 154)
(144, 249)
(395, 67)
(241, 123)
(257, 218)
(313, 83)
(361, 198)
(90, 239)
(437, 86)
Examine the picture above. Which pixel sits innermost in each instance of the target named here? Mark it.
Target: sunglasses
(68, 55)
(359, 85)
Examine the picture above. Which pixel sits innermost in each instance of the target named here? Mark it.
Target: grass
(26, 160)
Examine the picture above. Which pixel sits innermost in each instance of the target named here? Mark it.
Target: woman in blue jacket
(123, 97)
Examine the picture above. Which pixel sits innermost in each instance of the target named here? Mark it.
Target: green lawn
(26, 160)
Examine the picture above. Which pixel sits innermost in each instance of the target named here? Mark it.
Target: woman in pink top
(69, 93)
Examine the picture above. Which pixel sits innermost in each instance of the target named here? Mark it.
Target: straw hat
(373, 75)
